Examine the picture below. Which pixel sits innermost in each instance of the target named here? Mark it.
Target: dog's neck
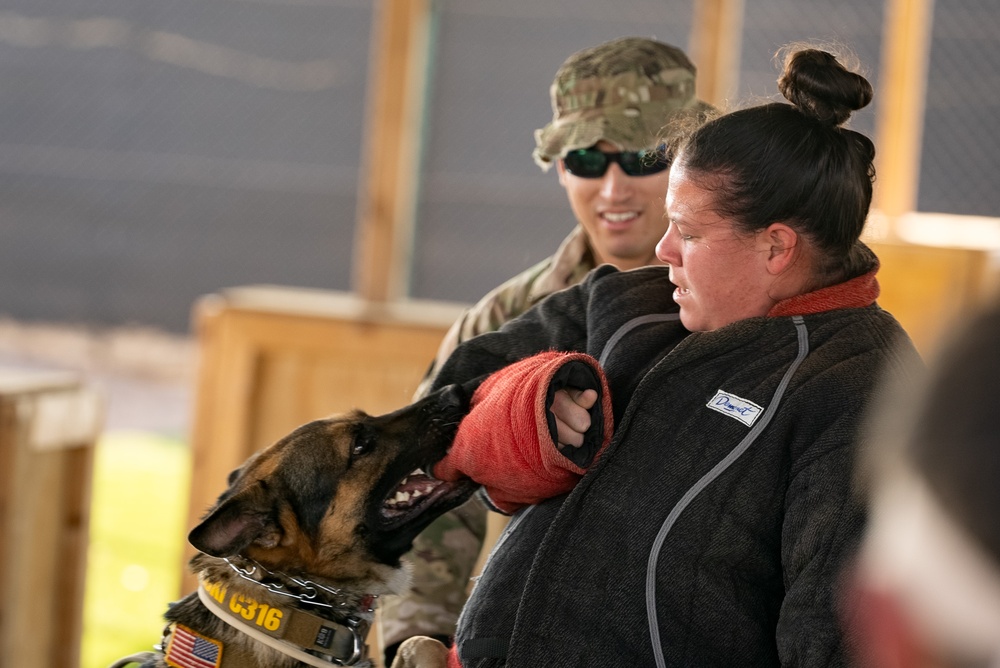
(303, 591)
(316, 624)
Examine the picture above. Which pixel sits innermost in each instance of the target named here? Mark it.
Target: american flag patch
(188, 649)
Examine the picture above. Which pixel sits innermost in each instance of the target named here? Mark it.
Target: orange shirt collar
(857, 292)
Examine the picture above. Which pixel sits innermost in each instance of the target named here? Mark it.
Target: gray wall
(151, 152)
(155, 151)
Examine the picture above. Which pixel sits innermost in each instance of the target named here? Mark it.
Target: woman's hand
(571, 409)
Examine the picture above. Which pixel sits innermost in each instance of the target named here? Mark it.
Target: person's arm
(825, 516)
(501, 304)
(510, 440)
(822, 528)
(558, 322)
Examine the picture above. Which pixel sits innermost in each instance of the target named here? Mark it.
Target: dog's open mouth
(418, 494)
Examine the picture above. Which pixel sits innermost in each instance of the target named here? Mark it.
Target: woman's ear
(781, 243)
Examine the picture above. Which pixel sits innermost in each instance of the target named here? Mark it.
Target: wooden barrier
(49, 424)
(930, 288)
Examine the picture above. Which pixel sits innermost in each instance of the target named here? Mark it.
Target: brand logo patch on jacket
(729, 404)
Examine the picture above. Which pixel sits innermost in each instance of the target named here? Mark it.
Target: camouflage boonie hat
(623, 91)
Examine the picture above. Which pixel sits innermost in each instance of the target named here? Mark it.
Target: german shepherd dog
(308, 533)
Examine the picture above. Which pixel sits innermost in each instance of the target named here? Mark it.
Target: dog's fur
(314, 505)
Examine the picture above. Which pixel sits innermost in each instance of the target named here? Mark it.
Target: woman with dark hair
(713, 526)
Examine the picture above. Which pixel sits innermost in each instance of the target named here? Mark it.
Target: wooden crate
(930, 289)
(49, 424)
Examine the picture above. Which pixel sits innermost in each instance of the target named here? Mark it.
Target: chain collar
(302, 590)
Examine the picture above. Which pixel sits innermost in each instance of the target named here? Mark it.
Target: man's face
(622, 214)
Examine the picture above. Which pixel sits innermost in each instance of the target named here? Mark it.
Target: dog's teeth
(410, 490)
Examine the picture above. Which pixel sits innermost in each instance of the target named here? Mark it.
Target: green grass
(138, 516)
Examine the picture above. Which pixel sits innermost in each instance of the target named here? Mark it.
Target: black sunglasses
(591, 163)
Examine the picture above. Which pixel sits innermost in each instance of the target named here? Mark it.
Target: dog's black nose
(454, 397)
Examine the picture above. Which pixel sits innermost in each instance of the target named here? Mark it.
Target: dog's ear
(248, 517)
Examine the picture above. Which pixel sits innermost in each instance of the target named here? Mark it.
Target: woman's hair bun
(821, 87)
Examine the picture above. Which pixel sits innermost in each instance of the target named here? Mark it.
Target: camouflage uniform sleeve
(507, 301)
(443, 558)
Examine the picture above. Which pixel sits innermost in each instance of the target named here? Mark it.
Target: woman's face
(720, 274)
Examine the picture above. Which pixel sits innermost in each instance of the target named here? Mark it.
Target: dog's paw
(421, 652)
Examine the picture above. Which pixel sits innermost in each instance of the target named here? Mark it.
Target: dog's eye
(363, 442)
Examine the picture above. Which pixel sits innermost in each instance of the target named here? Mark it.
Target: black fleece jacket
(716, 525)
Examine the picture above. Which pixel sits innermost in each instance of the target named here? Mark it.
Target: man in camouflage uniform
(630, 95)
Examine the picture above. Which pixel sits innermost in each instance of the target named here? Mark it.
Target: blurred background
(348, 157)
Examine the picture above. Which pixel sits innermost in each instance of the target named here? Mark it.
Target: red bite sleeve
(505, 442)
